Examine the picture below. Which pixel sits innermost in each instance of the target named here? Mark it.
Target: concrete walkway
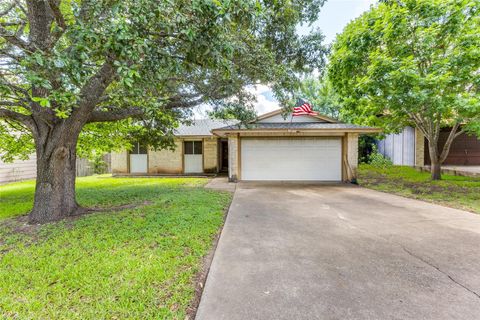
(222, 184)
(302, 251)
(466, 171)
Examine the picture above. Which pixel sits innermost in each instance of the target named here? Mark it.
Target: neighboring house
(308, 148)
(410, 148)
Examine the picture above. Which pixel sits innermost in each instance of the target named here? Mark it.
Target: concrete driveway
(297, 251)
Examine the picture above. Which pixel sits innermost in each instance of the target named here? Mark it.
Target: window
(193, 147)
(139, 148)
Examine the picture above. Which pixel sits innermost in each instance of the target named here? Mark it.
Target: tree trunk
(435, 170)
(55, 186)
(435, 164)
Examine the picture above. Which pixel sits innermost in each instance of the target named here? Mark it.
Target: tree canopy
(98, 73)
(412, 62)
(145, 60)
(320, 93)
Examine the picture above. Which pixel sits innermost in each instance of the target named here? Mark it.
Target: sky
(333, 17)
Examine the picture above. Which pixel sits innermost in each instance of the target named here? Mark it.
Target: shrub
(99, 164)
(366, 145)
(377, 159)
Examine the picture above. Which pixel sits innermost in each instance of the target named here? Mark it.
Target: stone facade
(210, 155)
(166, 161)
(351, 156)
(233, 156)
(419, 148)
(119, 162)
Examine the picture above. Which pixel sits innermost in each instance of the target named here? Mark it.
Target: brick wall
(166, 161)
(419, 148)
(119, 162)
(210, 155)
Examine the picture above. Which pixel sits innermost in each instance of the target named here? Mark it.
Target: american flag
(303, 108)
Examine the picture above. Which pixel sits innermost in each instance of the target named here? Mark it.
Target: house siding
(400, 147)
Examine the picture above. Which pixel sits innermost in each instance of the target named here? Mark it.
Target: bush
(99, 165)
(377, 159)
(366, 145)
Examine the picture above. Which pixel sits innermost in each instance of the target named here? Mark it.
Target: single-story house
(274, 147)
(410, 148)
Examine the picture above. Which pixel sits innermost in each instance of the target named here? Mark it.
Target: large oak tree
(93, 72)
(412, 62)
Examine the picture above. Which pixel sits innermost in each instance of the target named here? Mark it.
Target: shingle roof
(293, 126)
(203, 127)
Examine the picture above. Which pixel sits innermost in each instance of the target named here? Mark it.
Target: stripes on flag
(303, 108)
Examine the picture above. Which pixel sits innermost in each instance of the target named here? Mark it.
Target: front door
(224, 156)
(193, 156)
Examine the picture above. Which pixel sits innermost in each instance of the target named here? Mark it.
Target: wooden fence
(27, 169)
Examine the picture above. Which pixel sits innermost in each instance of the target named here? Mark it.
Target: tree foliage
(412, 62)
(321, 94)
(99, 73)
(101, 61)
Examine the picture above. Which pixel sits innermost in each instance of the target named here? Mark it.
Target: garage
(281, 146)
(292, 159)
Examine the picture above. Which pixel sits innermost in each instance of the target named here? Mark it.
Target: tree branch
(107, 116)
(451, 136)
(13, 39)
(21, 7)
(91, 93)
(7, 10)
(59, 19)
(12, 115)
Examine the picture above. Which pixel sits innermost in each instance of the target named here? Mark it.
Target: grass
(453, 191)
(138, 263)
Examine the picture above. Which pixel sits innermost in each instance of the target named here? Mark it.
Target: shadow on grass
(135, 263)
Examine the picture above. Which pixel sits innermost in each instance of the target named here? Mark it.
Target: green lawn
(137, 263)
(454, 191)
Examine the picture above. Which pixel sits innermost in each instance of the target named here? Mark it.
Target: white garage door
(315, 159)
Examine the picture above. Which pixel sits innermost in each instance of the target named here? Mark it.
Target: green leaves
(168, 57)
(413, 62)
(43, 102)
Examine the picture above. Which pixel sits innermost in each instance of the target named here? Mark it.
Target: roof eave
(279, 111)
(224, 132)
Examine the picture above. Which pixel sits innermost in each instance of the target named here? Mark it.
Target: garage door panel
(311, 159)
